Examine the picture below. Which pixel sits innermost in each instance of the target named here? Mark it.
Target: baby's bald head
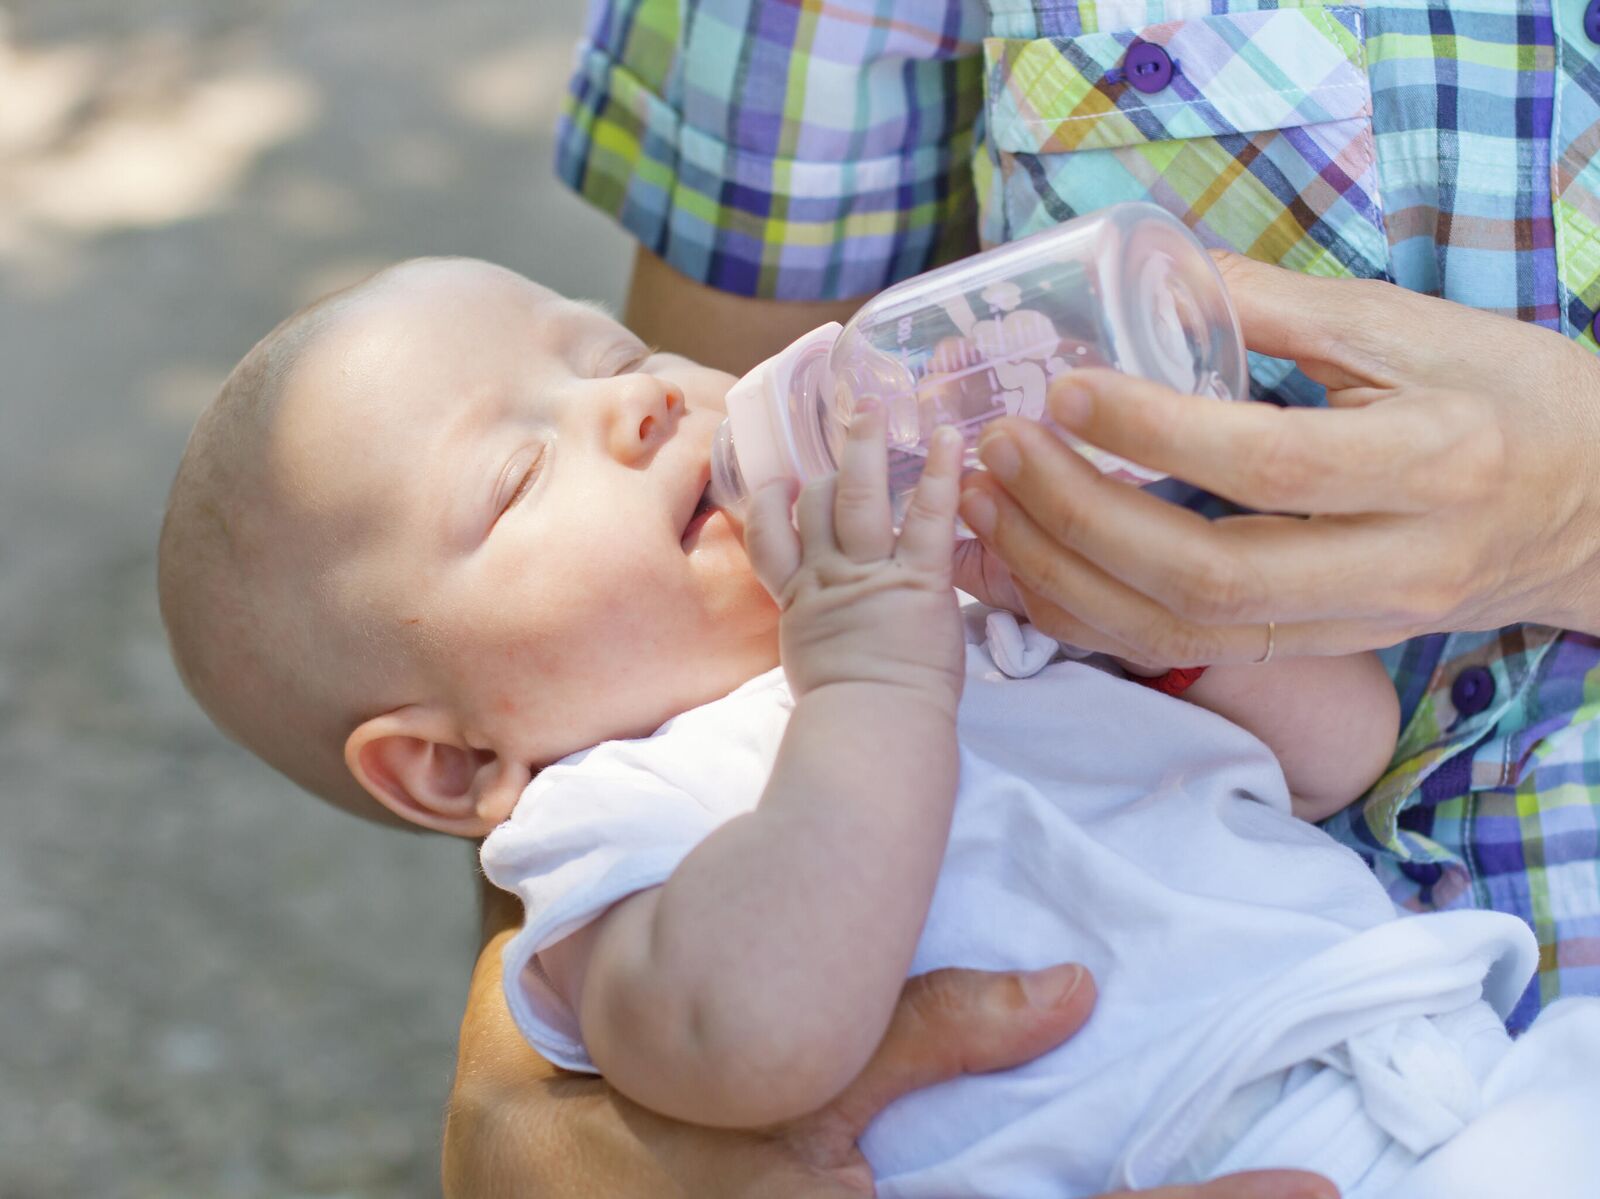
(264, 636)
(449, 526)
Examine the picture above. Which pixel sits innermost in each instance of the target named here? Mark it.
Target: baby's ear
(415, 762)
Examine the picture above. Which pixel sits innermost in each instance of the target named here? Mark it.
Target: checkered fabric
(808, 149)
(796, 150)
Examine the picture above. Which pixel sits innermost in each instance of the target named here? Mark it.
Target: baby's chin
(693, 685)
(716, 550)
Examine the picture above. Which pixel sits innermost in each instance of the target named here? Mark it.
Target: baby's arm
(755, 984)
(1332, 722)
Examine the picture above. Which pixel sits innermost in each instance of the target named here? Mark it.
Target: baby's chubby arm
(756, 983)
(1332, 722)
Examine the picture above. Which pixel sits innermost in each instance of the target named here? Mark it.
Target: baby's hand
(860, 604)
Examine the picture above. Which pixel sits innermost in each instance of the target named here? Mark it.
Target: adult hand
(517, 1127)
(1453, 483)
(954, 1022)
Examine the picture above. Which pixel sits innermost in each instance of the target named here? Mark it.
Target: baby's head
(445, 527)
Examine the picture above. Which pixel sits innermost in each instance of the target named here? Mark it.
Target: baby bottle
(1127, 287)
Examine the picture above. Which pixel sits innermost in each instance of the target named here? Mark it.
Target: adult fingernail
(999, 454)
(1069, 403)
(1049, 988)
(979, 512)
(1271, 1184)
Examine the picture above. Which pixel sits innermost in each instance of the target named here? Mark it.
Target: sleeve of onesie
(578, 842)
(781, 150)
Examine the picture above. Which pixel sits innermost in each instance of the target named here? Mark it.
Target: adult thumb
(954, 1022)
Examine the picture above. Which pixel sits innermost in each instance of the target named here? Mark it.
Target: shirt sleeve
(617, 819)
(792, 152)
(576, 844)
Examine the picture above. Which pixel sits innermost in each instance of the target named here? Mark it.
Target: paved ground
(209, 986)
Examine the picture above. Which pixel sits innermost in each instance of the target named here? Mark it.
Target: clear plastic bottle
(1128, 287)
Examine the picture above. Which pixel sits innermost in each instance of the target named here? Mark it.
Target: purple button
(1149, 68)
(1591, 20)
(1594, 325)
(1422, 873)
(1473, 690)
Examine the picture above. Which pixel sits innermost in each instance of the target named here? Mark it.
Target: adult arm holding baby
(517, 1126)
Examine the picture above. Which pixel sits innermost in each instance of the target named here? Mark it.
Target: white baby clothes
(1242, 956)
(1017, 648)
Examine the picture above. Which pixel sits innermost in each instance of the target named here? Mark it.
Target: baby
(440, 553)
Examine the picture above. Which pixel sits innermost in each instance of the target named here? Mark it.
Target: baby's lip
(697, 504)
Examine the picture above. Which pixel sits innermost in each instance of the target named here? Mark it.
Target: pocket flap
(1233, 73)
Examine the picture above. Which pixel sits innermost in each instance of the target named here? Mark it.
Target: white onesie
(1261, 1004)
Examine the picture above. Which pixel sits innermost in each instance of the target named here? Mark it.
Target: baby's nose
(645, 413)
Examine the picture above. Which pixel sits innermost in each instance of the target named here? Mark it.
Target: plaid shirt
(806, 149)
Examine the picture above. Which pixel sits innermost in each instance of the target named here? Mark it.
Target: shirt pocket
(1261, 140)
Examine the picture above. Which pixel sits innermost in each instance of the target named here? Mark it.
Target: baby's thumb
(770, 540)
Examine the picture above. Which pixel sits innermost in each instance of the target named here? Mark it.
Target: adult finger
(954, 1022)
(1234, 569)
(1152, 633)
(1120, 615)
(769, 537)
(928, 534)
(1064, 626)
(1358, 335)
(861, 518)
(1344, 332)
(1257, 1184)
(1411, 453)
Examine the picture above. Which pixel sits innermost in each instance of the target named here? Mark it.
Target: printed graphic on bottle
(965, 358)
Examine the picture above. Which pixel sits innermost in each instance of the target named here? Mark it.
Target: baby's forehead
(426, 348)
(466, 312)
(452, 293)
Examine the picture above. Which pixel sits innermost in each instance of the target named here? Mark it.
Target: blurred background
(209, 986)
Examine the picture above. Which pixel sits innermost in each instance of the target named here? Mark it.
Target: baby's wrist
(895, 694)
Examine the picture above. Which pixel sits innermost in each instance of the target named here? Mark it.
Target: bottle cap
(761, 415)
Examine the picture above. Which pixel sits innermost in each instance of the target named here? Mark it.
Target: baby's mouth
(697, 519)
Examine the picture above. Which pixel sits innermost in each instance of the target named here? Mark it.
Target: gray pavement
(209, 986)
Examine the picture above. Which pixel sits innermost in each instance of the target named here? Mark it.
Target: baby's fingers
(813, 517)
(770, 538)
(927, 539)
(862, 521)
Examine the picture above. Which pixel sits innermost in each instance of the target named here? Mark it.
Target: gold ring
(1272, 631)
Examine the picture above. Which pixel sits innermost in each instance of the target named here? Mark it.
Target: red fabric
(1174, 682)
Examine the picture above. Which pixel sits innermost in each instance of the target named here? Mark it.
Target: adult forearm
(755, 984)
(515, 1126)
(720, 329)
(518, 1128)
